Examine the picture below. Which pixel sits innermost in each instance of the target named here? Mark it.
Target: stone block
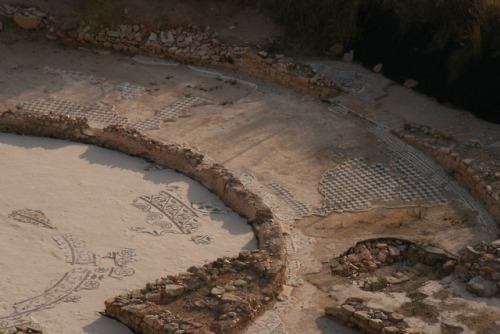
(482, 286)
(27, 22)
(337, 312)
(390, 330)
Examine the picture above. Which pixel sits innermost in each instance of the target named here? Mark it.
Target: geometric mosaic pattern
(409, 156)
(53, 105)
(129, 91)
(169, 114)
(358, 186)
(95, 112)
(102, 114)
(300, 208)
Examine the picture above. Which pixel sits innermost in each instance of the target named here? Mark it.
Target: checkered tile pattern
(95, 112)
(130, 91)
(170, 114)
(433, 174)
(416, 187)
(147, 124)
(178, 108)
(104, 115)
(54, 105)
(355, 185)
(300, 208)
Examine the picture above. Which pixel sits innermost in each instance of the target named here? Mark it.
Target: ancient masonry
(90, 269)
(426, 166)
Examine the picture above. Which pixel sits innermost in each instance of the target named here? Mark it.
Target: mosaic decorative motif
(35, 217)
(300, 208)
(75, 250)
(57, 106)
(75, 280)
(409, 156)
(94, 112)
(129, 90)
(171, 113)
(355, 184)
(202, 239)
(166, 214)
(102, 114)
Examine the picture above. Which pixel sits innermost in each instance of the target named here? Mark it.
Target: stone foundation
(369, 317)
(468, 164)
(193, 45)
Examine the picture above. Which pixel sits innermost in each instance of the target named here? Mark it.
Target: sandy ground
(294, 151)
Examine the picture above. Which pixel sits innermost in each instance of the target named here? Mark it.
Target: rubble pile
(369, 317)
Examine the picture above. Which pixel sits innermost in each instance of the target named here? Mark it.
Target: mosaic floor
(89, 222)
(161, 212)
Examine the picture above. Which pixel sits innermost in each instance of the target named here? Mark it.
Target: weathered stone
(337, 312)
(153, 36)
(376, 323)
(153, 297)
(390, 330)
(396, 317)
(173, 290)
(263, 54)
(362, 315)
(337, 49)
(381, 257)
(374, 306)
(410, 83)
(353, 258)
(217, 291)
(394, 251)
(113, 33)
(240, 283)
(377, 68)
(230, 298)
(482, 286)
(27, 22)
(348, 309)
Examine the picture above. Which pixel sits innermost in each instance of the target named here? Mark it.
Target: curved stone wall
(267, 265)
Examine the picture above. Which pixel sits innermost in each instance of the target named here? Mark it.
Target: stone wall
(477, 175)
(370, 255)
(369, 317)
(478, 266)
(192, 44)
(150, 310)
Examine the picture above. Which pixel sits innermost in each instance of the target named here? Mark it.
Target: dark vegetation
(451, 47)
